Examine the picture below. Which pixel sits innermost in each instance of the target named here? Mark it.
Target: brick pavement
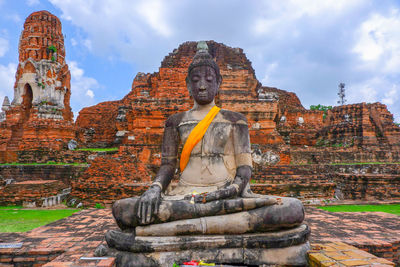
(64, 242)
(375, 232)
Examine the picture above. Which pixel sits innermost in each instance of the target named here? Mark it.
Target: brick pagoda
(39, 116)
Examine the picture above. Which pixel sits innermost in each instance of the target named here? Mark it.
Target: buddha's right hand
(148, 205)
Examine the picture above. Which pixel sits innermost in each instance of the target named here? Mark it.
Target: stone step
(370, 175)
(389, 168)
(301, 191)
(298, 181)
(285, 179)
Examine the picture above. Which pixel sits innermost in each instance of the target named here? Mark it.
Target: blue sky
(303, 46)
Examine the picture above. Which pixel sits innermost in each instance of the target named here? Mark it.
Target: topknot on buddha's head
(203, 58)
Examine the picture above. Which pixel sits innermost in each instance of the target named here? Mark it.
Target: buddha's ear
(188, 85)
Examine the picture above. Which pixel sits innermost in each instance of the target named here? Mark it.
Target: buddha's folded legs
(125, 210)
(286, 214)
(289, 213)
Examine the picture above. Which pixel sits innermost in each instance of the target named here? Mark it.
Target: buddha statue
(211, 211)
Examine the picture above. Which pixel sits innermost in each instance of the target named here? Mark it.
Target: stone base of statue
(284, 247)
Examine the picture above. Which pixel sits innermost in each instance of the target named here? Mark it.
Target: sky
(303, 46)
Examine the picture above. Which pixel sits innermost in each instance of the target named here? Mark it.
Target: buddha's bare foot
(120, 240)
(101, 251)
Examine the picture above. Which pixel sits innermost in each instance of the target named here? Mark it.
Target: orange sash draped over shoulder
(196, 135)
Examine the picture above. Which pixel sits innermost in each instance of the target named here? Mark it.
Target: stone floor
(66, 241)
(375, 232)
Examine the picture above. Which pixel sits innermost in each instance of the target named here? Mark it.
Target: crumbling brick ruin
(40, 115)
(282, 132)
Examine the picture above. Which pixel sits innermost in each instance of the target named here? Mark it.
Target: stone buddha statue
(211, 212)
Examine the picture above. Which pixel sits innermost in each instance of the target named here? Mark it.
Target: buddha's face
(203, 84)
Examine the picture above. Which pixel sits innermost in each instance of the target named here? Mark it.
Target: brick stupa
(39, 116)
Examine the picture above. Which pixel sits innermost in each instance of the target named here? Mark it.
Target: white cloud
(88, 44)
(316, 7)
(32, 2)
(376, 89)
(391, 96)
(124, 29)
(152, 12)
(370, 90)
(269, 72)
(7, 79)
(278, 14)
(14, 17)
(4, 45)
(73, 42)
(90, 93)
(82, 87)
(378, 43)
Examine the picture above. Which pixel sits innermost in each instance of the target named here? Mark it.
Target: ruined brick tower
(39, 115)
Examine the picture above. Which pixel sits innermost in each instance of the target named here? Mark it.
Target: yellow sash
(196, 135)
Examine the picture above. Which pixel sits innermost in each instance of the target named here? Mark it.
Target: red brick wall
(20, 173)
(29, 191)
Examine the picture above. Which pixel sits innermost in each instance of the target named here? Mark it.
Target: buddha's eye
(195, 78)
(209, 78)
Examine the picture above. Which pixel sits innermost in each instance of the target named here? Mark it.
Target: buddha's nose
(202, 85)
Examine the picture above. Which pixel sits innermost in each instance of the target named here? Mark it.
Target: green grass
(388, 208)
(98, 149)
(47, 163)
(18, 219)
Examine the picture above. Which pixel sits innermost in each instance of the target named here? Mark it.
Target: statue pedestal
(285, 247)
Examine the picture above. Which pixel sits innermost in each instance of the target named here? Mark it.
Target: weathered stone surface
(72, 144)
(6, 104)
(277, 239)
(287, 256)
(173, 210)
(288, 214)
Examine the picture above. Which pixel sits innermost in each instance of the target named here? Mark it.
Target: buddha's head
(204, 78)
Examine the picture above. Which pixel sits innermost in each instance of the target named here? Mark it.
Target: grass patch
(98, 149)
(99, 206)
(17, 219)
(39, 164)
(388, 208)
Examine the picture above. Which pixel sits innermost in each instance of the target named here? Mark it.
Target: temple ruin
(39, 116)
